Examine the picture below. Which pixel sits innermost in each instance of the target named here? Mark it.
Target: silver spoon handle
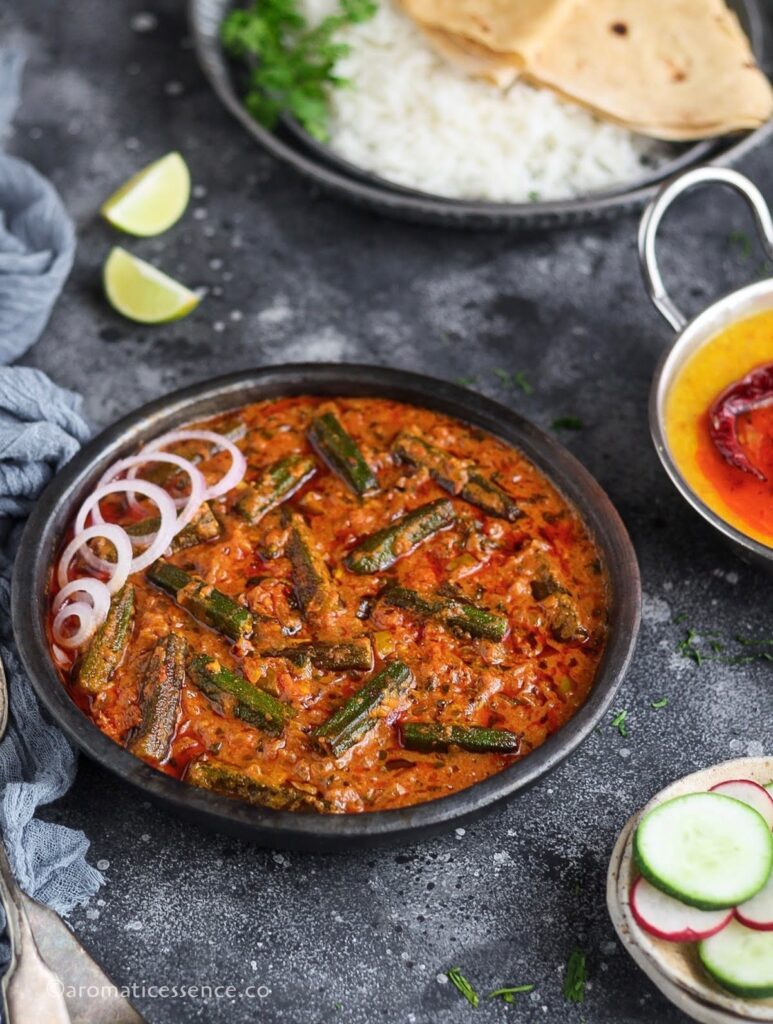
(30, 990)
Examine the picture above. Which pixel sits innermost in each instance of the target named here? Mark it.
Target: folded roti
(672, 69)
(513, 27)
(500, 69)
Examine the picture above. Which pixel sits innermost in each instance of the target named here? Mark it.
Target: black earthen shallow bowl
(285, 829)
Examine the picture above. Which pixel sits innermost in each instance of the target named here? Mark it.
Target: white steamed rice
(412, 118)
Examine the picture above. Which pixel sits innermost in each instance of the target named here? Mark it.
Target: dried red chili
(743, 396)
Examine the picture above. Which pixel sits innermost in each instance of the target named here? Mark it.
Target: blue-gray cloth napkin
(41, 428)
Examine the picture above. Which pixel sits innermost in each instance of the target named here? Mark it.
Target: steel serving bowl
(746, 302)
(61, 498)
(338, 177)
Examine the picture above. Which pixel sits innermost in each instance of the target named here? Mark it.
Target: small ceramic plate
(674, 966)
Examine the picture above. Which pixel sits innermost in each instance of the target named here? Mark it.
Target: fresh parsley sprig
(291, 65)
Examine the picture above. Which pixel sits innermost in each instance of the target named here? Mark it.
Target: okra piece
(457, 476)
(201, 600)
(355, 718)
(453, 612)
(341, 453)
(203, 527)
(275, 484)
(564, 620)
(160, 697)
(382, 549)
(351, 655)
(428, 737)
(224, 778)
(252, 705)
(109, 644)
(312, 582)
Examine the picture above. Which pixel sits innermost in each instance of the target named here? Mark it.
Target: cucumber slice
(740, 960)
(709, 851)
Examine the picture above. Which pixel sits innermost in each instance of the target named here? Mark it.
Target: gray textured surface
(365, 937)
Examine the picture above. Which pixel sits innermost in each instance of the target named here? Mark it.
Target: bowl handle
(654, 213)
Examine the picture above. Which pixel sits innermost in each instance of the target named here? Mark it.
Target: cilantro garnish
(463, 986)
(290, 64)
(657, 704)
(567, 423)
(575, 977)
(703, 647)
(514, 380)
(618, 722)
(742, 242)
(509, 992)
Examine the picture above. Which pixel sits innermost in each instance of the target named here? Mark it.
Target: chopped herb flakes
(290, 64)
(514, 380)
(519, 379)
(509, 993)
(462, 985)
(742, 242)
(702, 647)
(575, 977)
(658, 704)
(466, 382)
(618, 722)
(567, 423)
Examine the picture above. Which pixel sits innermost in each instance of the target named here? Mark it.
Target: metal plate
(57, 505)
(337, 176)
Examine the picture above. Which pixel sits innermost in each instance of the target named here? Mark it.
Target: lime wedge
(153, 200)
(141, 292)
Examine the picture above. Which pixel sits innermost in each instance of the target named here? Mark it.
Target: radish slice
(238, 462)
(670, 919)
(706, 849)
(166, 530)
(750, 793)
(119, 569)
(740, 959)
(758, 911)
(189, 505)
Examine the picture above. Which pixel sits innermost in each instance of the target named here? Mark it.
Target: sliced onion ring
(190, 505)
(119, 570)
(94, 589)
(157, 495)
(62, 658)
(238, 462)
(87, 623)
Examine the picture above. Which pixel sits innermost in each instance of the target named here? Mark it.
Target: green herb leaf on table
(742, 241)
(514, 380)
(508, 993)
(657, 704)
(567, 423)
(291, 65)
(706, 647)
(575, 977)
(462, 985)
(618, 722)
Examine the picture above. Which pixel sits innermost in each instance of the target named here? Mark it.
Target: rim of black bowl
(286, 829)
(367, 190)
